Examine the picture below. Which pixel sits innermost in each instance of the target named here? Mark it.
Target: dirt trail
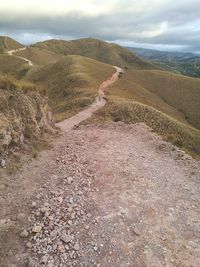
(11, 52)
(97, 104)
(112, 195)
(108, 195)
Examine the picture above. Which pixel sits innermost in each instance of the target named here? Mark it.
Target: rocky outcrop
(23, 117)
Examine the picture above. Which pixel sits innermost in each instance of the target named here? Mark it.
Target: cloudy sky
(158, 24)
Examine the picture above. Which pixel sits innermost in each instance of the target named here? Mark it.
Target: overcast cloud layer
(159, 24)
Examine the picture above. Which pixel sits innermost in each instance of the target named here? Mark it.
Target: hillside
(71, 83)
(179, 62)
(113, 191)
(39, 56)
(179, 95)
(166, 102)
(13, 66)
(180, 92)
(7, 43)
(96, 49)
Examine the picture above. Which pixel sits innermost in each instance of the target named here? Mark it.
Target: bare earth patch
(108, 195)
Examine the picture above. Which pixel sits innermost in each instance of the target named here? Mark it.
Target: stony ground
(108, 195)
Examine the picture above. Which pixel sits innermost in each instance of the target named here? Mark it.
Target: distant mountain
(7, 43)
(179, 62)
(156, 55)
(96, 49)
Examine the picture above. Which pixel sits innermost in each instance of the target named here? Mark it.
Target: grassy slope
(7, 43)
(72, 83)
(131, 89)
(135, 98)
(39, 56)
(182, 93)
(13, 66)
(102, 51)
(164, 101)
(172, 130)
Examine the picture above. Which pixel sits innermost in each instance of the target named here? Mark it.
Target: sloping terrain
(7, 43)
(179, 62)
(71, 83)
(178, 94)
(112, 194)
(151, 54)
(180, 134)
(167, 103)
(96, 49)
(39, 56)
(13, 66)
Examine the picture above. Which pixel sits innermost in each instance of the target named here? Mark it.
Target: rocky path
(107, 195)
(112, 195)
(11, 52)
(97, 104)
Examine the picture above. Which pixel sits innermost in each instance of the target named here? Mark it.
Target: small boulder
(60, 199)
(76, 247)
(33, 204)
(67, 238)
(69, 180)
(36, 229)
(28, 245)
(44, 210)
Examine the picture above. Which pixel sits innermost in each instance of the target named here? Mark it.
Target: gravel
(132, 200)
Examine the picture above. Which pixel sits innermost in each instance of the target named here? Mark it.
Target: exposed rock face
(22, 116)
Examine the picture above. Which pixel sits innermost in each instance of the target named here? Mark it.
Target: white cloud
(55, 7)
(166, 23)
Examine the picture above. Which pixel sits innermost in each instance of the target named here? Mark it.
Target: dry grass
(7, 43)
(96, 49)
(12, 65)
(8, 82)
(166, 102)
(175, 95)
(39, 56)
(180, 134)
(72, 83)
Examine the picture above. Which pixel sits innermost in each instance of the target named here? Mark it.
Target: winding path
(96, 105)
(11, 52)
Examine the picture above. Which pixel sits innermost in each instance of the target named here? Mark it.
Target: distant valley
(179, 62)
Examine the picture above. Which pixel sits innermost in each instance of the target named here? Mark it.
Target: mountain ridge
(71, 83)
(96, 49)
(7, 43)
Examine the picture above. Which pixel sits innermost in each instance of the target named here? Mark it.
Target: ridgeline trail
(105, 195)
(98, 103)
